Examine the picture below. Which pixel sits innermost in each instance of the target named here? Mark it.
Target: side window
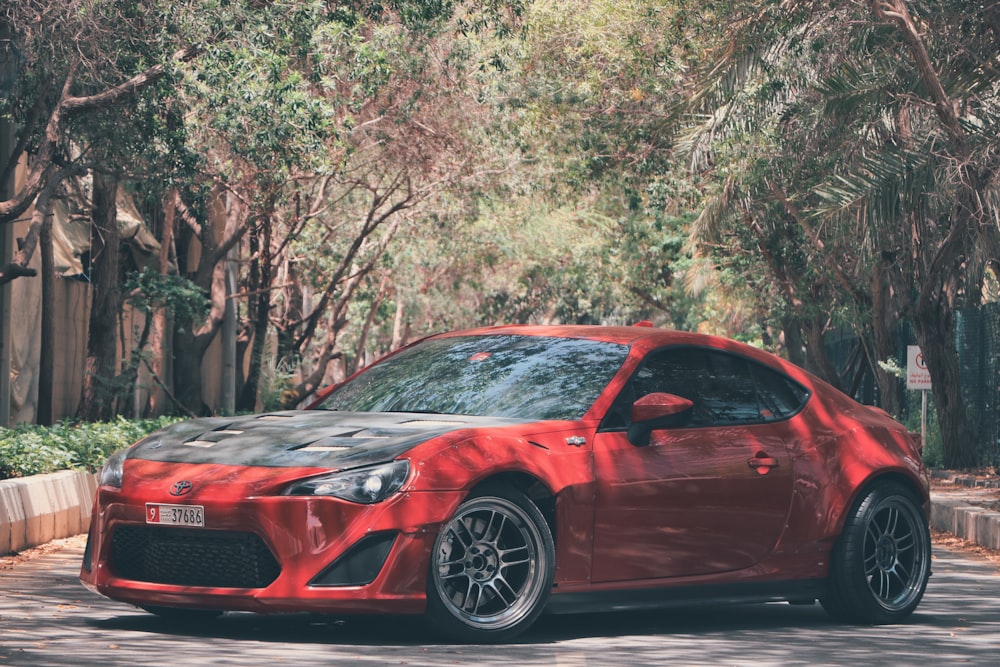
(725, 388)
(665, 371)
(779, 396)
(727, 393)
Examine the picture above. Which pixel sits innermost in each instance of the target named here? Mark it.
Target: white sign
(917, 375)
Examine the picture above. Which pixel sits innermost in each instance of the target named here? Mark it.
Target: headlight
(363, 485)
(114, 469)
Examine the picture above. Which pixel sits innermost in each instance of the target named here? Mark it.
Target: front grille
(190, 557)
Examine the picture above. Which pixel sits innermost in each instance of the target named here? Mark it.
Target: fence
(977, 338)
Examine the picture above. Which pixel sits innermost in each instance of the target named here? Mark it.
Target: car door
(709, 496)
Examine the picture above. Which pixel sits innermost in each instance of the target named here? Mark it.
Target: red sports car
(484, 477)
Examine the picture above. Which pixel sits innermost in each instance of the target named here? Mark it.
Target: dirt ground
(949, 540)
(9, 562)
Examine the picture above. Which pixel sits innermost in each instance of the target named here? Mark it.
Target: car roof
(645, 337)
(625, 335)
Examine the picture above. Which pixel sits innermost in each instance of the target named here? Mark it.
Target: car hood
(311, 438)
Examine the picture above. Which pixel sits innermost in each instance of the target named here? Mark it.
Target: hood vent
(432, 422)
(212, 438)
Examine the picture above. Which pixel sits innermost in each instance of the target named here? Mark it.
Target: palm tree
(834, 124)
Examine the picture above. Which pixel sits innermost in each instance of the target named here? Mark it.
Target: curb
(969, 481)
(953, 513)
(38, 509)
(968, 508)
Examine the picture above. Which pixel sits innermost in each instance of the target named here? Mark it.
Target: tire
(491, 569)
(881, 563)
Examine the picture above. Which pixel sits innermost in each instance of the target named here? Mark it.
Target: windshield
(523, 377)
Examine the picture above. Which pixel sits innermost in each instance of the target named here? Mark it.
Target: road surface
(48, 619)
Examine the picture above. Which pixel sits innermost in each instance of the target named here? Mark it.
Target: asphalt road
(48, 618)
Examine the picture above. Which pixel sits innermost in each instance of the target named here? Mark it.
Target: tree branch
(105, 99)
(18, 267)
(68, 105)
(896, 12)
(166, 390)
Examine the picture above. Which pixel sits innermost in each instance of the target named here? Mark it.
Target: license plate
(175, 515)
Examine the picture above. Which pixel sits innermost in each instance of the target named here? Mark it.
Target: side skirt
(797, 592)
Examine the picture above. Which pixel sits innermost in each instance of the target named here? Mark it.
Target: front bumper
(269, 554)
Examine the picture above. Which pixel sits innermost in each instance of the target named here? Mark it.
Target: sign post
(918, 378)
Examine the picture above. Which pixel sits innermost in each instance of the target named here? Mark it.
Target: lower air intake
(186, 557)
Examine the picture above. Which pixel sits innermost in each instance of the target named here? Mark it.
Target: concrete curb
(970, 522)
(38, 509)
(963, 514)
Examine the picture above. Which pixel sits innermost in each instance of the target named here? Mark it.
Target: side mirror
(656, 411)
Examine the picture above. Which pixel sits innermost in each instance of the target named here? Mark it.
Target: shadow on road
(47, 618)
(409, 630)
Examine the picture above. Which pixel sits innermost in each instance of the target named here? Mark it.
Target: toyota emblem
(181, 488)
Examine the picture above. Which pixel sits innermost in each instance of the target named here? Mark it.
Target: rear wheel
(492, 568)
(881, 562)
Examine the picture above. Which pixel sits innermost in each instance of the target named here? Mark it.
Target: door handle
(762, 463)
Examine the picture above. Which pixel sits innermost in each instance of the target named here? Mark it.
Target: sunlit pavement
(47, 618)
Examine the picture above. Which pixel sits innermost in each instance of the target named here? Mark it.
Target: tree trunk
(260, 283)
(795, 347)
(360, 355)
(935, 332)
(97, 401)
(187, 373)
(191, 343)
(291, 315)
(46, 363)
(934, 326)
(130, 374)
(817, 360)
(190, 347)
(230, 337)
(400, 326)
(159, 335)
(885, 340)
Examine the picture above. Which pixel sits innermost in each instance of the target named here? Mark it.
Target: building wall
(72, 312)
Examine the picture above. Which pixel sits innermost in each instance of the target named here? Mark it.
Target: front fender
(564, 470)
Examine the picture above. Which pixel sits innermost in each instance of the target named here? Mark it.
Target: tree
(83, 98)
(971, 218)
(907, 163)
(101, 354)
(321, 125)
(588, 113)
(71, 64)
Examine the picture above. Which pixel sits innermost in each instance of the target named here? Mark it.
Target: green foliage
(151, 290)
(933, 447)
(25, 452)
(275, 381)
(32, 450)
(737, 168)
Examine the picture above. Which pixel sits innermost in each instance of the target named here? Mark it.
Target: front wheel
(881, 562)
(492, 568)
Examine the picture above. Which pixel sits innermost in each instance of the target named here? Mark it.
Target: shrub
(33, 450)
